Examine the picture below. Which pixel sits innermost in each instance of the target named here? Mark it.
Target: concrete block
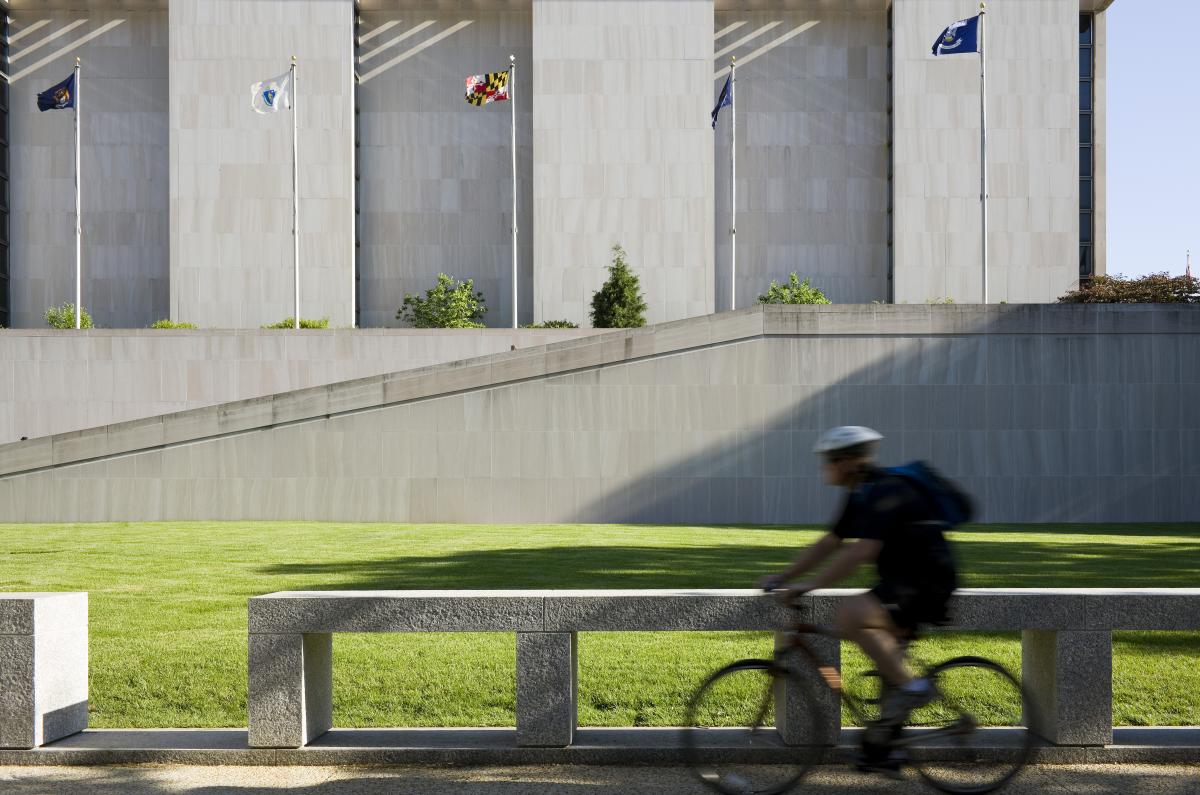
(1067, 677)
(547, 689)
(43, 667)
(1019, 608)
(23, 456)
(1144, 609)
(301, 404)
(80, 445)
(396, 611)
(289, 695)
(135, 435)
(648, 611)
(807, 710)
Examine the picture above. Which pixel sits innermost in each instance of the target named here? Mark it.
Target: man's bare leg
(864, 620)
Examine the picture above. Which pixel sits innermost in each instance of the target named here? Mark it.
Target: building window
(1086, 159)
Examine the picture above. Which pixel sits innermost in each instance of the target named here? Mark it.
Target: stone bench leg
(290, 695)
(795, 704)
(43, 668)
(547, 687)
(1068, 682)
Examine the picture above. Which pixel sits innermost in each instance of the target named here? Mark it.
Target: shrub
(946, 300)
(290, 322)
(794, 292)
(451, 304)
(64, 317)
(619, 303)
(1154, 288)
(553, 324)
(169, 324)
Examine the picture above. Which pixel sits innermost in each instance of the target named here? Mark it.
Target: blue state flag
(723, 101)
(962, 36)
(59, 97)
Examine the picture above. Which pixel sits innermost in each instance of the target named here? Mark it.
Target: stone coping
(586, 352)
(1012, 609)
(498, 746)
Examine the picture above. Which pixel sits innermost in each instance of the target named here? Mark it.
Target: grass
(168, 610)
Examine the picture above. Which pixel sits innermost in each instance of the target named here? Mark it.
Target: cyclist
(896, 526)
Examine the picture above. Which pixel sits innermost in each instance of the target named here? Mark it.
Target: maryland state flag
(482, 89)
(60, 97)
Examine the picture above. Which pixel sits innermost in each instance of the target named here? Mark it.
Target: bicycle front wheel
(731, 742)
(947, 741)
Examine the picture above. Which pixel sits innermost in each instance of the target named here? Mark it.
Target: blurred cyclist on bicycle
(894, 523)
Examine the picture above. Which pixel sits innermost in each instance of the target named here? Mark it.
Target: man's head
(845, 452)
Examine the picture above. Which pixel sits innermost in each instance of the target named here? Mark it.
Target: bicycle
(944, 741)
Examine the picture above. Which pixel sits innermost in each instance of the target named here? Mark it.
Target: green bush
(553, 324)
(794, 292)
(619, 303)
(451, 304)
(169, 324)
(1153, 288)
(64, 317)
(290, 322)
(946, 300)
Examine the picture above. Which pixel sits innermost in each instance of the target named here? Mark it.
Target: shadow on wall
(985, 563)
(1037, 427)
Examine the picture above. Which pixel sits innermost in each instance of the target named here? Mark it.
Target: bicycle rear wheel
(731, 742)
(946, 741)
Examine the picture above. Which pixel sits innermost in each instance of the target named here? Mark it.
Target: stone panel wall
(124, 164)
(1045, 414)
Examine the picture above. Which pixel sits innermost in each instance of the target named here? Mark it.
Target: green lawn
(168, 610)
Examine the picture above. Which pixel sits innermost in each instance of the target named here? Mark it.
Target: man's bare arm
(812, 557)
(847, 562)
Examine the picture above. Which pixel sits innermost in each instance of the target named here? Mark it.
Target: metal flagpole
(733, 183)
(78, 212)
(295, 192)
(512, 75)
(983, 145)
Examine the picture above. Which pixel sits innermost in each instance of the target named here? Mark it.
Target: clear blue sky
(1153, 135)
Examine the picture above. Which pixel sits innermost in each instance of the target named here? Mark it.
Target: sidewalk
(546, 780)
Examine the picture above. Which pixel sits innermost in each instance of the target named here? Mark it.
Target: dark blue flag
(723, 101)
(60, 97)
(962, 36)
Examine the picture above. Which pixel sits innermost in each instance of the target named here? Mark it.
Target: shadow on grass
(983, 563)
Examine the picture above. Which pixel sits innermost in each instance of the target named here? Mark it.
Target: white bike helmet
(845, 436)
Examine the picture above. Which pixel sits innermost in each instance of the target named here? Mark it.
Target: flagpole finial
(512, 59)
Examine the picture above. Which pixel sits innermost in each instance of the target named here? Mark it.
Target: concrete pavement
(547, 780)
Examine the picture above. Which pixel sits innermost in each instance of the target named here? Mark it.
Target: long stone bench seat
(1066, 645)
(990, 609)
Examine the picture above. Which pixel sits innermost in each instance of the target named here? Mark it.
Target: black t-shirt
(887, 508)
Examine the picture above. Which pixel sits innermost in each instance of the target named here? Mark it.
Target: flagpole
(78, 211)
(512, 76)
(983, 146)
(733, 183)
(295, 194)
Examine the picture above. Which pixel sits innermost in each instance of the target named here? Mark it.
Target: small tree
(552, 324)
(619, 303)
(794, 292)
(63, 317)
(1154, 288)
(451, 304)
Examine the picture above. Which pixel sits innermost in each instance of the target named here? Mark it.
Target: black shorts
(910, 607)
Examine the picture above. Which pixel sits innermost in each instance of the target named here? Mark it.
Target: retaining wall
(1062, 413)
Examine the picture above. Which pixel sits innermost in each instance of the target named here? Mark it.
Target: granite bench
(1066, 638)
(43, 667)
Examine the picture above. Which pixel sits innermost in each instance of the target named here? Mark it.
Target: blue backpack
(953, 505)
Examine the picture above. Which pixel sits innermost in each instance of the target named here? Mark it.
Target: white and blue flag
(270, 95)
(962, 36)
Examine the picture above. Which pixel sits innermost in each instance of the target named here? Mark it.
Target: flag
(962, 36)
(59, 97)
(482, 89)
(269, 95)
(723, 101)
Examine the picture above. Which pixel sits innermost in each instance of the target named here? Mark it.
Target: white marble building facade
(858, 154)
